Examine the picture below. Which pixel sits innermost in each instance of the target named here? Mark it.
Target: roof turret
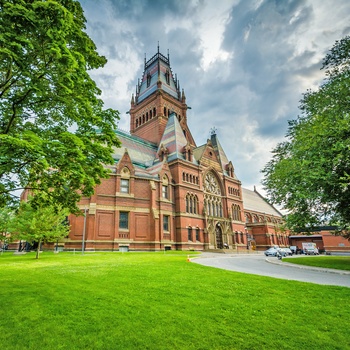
(157, 74)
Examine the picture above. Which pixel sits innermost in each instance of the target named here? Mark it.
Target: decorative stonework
(211, 185)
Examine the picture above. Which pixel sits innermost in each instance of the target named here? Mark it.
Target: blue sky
(243, 64)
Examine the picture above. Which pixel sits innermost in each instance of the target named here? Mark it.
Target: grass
(330, 262)
(160, 301)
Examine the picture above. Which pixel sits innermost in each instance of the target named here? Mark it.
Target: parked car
(287, 251)
(271, 252)
(311, 251)
(294, 249)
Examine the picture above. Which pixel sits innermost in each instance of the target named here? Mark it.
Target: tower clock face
(211, 184)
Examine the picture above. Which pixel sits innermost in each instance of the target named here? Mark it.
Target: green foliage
(309, 174)
(54, 133)
(39, 224)
(160, 301)
(6, 218)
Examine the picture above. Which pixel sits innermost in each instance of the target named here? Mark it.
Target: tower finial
(145, 59)
(158, 46)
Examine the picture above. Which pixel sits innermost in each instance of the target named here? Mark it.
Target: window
(236, 212)
(189, 233)
(124, 220)
(197, 235)
(167, 76)
(166, 222)
(124, 186)
(165, 191)
(191, 203)
(148, 79)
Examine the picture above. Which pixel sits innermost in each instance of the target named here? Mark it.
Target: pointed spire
(145, 60)
(158, 46)
(183, 97)
(132, 100)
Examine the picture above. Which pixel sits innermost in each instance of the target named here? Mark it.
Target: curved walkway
(258, 264)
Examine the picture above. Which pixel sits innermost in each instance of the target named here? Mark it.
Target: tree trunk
(38, 250)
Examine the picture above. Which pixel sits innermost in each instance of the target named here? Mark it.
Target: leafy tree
(39, 224)
(55, 135)
(309, 174)
(6, 217)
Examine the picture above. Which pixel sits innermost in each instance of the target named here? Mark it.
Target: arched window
(165, 187)
(236, 212)
(191, 203)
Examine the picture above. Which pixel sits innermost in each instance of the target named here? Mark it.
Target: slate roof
(173, 139)
(253, 201)
(141, 152)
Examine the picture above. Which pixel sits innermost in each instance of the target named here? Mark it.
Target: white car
(287, 251)
(271, 252)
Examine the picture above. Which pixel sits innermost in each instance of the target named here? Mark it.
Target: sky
(243, 64)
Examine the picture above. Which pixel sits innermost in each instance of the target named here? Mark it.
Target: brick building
(164, 191)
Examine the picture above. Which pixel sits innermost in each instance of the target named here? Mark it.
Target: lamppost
(84, 230)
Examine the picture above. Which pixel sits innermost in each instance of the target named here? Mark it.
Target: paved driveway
(260, 265)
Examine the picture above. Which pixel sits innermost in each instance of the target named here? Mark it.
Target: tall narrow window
(166, 223)
(189, 233)
(165, 192)
(124, 186)
(197, 235)
(167, 76)
(124, 220)
(148, 79)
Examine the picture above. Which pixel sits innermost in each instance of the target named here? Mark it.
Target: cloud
(243, 64)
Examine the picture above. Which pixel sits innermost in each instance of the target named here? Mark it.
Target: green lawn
(328, 261)
(160, 301)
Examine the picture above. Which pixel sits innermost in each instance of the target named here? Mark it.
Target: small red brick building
(164, 191)
(324, 238)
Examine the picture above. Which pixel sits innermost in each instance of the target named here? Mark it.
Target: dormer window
(148, 79)
(167, 77)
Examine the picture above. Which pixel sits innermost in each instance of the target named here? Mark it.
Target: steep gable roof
(253, 201)
(219, 151)
(173, 139)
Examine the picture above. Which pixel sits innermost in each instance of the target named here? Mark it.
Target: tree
(6, 217)
(55, 135)
(309, 174)
(39, 224)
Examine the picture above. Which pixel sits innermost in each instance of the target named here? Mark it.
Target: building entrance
(218, 233)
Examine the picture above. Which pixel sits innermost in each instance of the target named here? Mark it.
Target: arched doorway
(218, 234)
